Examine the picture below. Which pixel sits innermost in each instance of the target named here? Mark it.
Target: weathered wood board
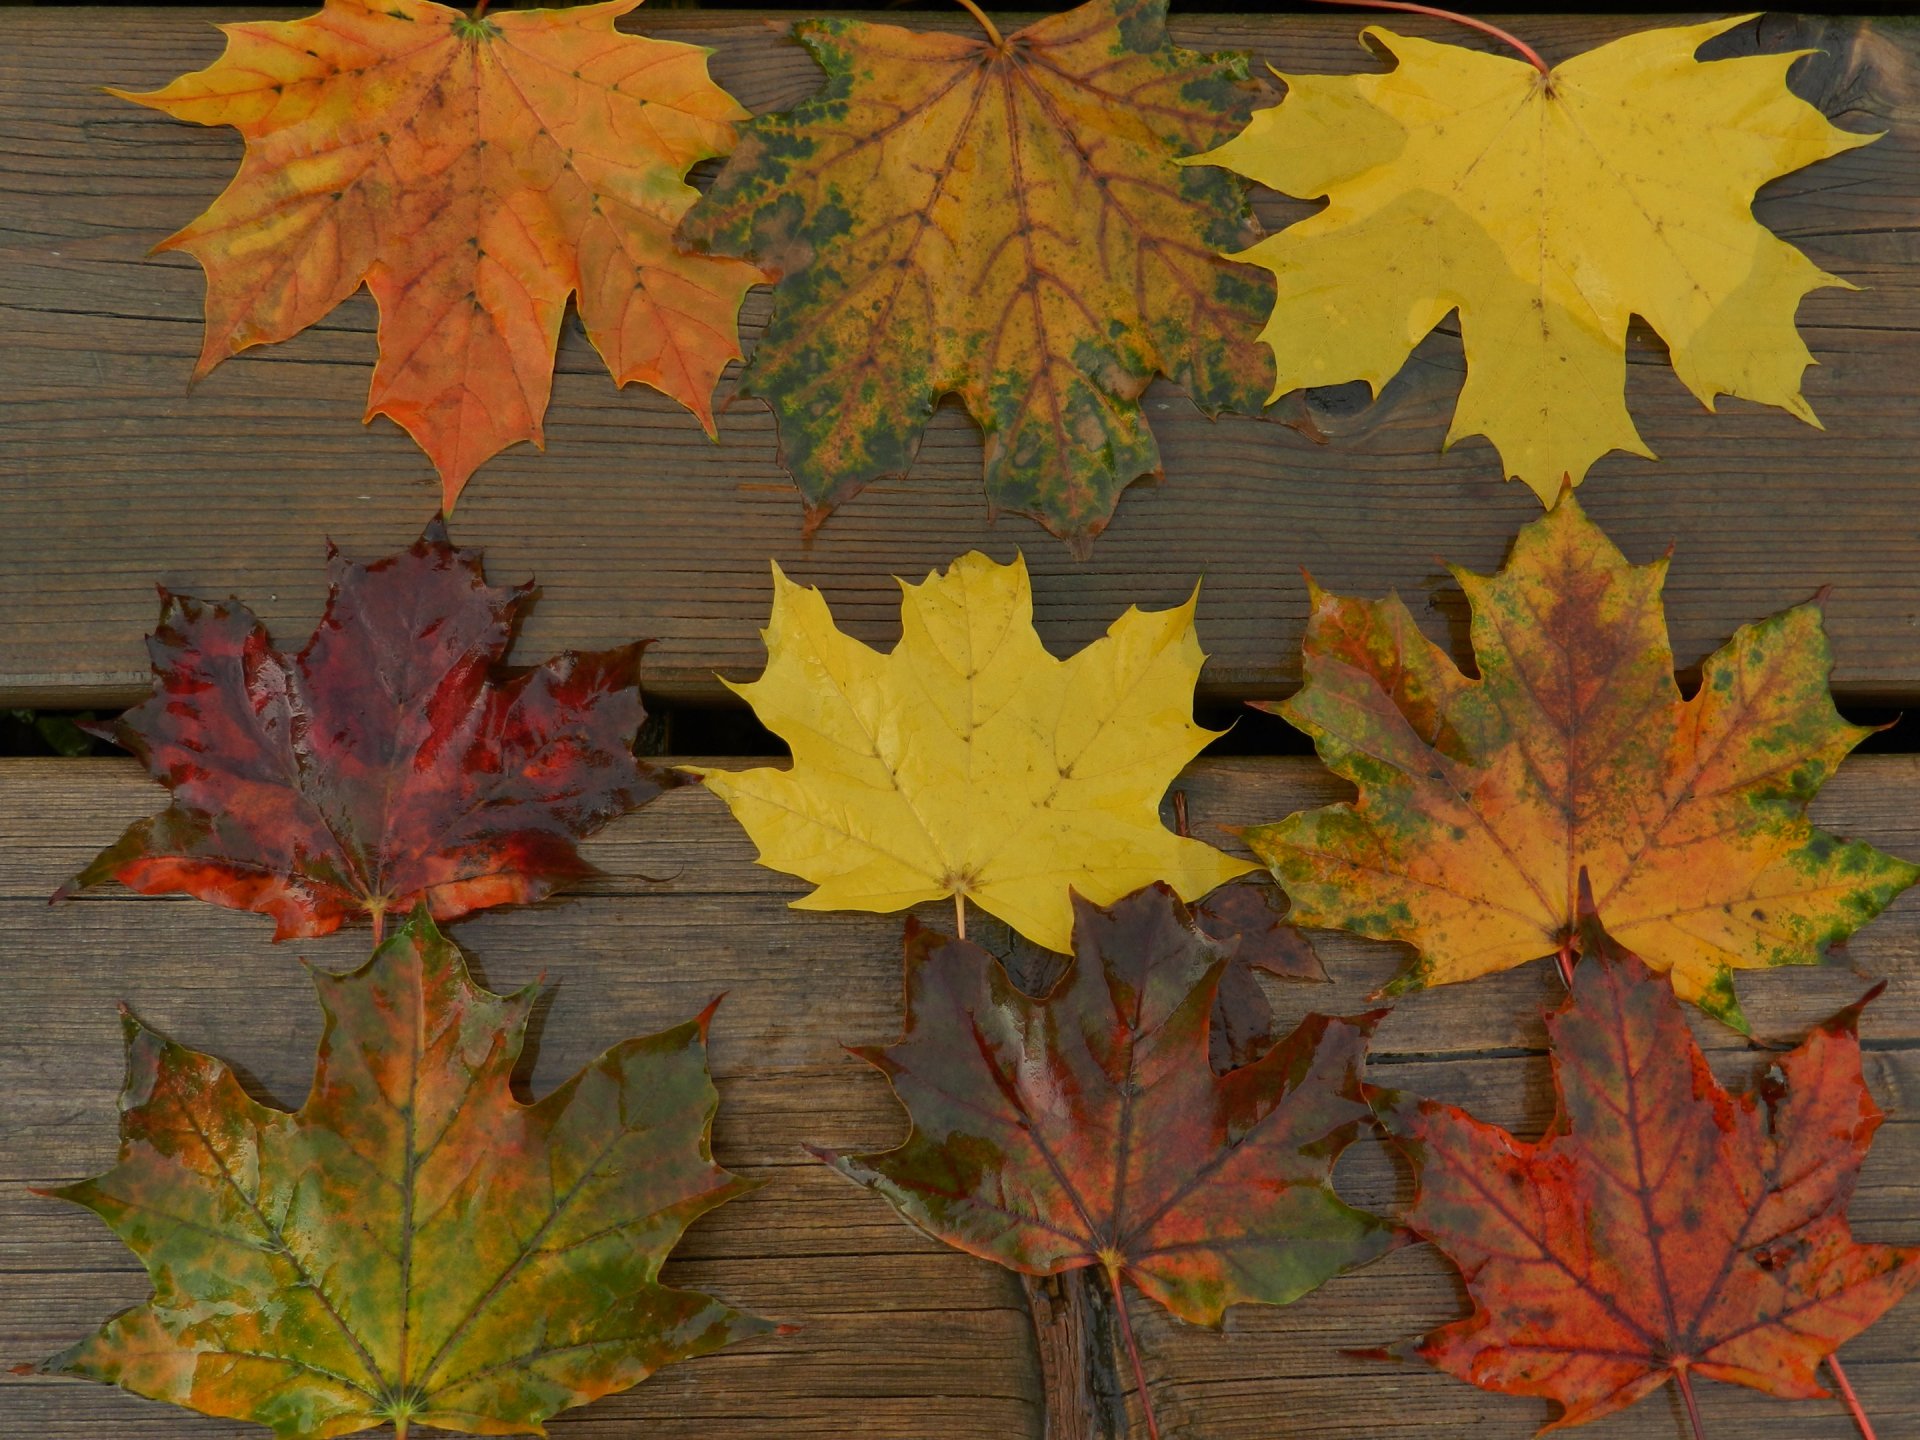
(113, 476)
(902, 1338)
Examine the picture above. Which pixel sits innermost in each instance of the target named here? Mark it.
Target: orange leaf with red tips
(383, 765)
(1662, 1229)
(474, 173)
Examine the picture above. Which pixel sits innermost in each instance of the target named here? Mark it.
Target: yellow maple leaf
(1547, 208)
(968, 761)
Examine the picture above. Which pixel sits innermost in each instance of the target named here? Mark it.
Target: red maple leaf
(383, 765)
(1661, 1229)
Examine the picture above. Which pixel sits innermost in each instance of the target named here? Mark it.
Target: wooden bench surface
(113, 477)
(903, 1338)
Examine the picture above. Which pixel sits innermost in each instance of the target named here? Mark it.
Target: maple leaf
(1481, 800)
(1253, 917)
(970, 762)
(1250, 918)
(1661, 1229)
(413, 1245)
(1088, 1128)
(382, 765)
(1001, 218)
(1547, 208)
(1246, 919)
(474, 173)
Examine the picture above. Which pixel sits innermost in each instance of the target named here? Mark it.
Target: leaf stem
(959, 915)
(479, 9)
(1506, 37)
(994, 37)
(379, 924)
(1565, 959)
(1685, 1382)
(1133, 1353)
(1853, 1401)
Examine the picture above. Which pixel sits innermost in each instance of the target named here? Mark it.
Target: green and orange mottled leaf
(1005, 222)
(475, 174)
(1088, 1127)
(1662, 1229)
(414, 1245)
(385, 764)
(1482, 800)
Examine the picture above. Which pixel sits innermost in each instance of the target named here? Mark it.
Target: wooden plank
(902, 1337)
(113, 477)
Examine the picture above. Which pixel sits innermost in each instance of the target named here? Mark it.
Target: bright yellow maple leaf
(1547, 209)
(1483, 800)
(968, 761)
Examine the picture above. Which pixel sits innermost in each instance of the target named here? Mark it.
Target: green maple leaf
(414, 1245)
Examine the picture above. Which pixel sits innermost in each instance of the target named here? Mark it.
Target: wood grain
(113, 476)
(902, 1337)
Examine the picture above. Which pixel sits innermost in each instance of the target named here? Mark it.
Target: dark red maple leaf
(1251, 917)
(1246, 917)
(383, 765)
(1661, 1229)
(1088, 1128)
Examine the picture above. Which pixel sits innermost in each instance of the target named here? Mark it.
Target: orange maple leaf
(474, 173)
(1483, 799)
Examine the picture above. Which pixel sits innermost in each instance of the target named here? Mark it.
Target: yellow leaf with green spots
(968, 761)
(1482, 800)
(1003, 219)
(413, 1246)
(1547, 209)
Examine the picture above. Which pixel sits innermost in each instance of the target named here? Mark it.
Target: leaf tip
(1585, 910)
(1846, 1021)
(705, 1018)
(1367, 1021)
